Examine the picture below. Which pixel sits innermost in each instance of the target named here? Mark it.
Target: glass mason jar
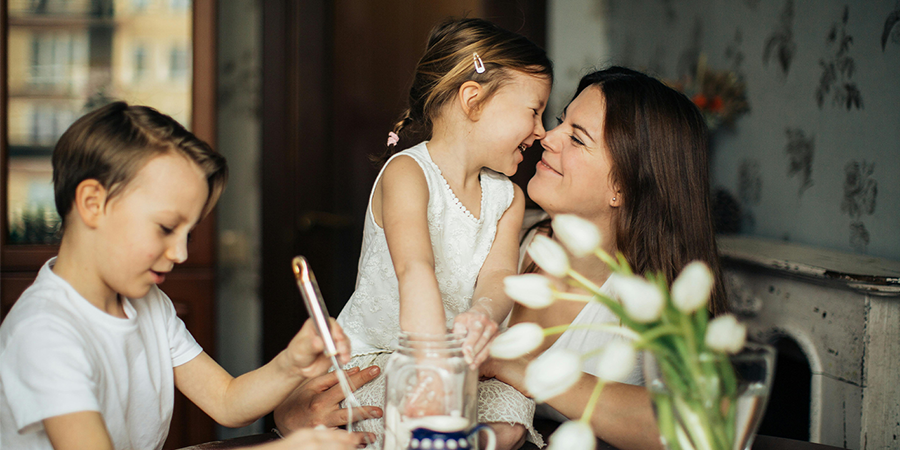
(428, 385)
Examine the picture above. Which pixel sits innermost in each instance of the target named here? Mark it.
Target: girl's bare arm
(490, 305)
(404, 203)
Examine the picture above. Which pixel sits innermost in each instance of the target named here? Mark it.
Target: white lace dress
(460, 242)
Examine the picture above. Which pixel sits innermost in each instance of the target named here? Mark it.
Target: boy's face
(144, 230)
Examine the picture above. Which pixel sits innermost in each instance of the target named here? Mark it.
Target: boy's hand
(305, 353)
(479, 329)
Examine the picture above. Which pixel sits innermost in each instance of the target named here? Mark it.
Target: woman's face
(573, 175)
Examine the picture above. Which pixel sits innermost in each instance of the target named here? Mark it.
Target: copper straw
(312, 297)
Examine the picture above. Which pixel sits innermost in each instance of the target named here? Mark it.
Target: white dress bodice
(460, 243)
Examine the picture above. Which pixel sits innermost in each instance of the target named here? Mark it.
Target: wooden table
(761, 443)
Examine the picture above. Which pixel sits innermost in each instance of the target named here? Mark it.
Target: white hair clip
(479, 64)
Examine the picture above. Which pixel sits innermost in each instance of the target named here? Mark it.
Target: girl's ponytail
(393, 139)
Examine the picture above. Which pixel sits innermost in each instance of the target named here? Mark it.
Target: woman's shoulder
(532, 217)
(531, 225)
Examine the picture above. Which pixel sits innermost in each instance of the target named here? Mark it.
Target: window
(178, 63)
(140, 63)
(65, 58)
(139, 5)
(180, 5)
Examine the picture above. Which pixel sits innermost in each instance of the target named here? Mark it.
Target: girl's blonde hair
(449, 61)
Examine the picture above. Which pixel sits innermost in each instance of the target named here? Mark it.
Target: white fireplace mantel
(844, 312)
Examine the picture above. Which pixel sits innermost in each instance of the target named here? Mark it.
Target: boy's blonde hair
(113, 143)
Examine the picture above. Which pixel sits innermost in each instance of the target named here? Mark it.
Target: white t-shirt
(59, 354)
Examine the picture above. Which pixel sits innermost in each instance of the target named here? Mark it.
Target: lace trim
(455, 199)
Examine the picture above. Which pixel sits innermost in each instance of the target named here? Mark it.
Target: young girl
(443, 218)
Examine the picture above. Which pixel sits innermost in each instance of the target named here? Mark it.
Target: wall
(815, 159)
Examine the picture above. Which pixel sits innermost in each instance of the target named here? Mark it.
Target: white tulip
(517, 341)
(643, 301)
(616, 361)
(725, 334)
(692, 288)
(531, 290)
(573, 435)
(552, 373)
(580, 236)
(549, 255)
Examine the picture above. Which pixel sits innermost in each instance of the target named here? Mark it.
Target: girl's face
(510, 121)
(573, 175)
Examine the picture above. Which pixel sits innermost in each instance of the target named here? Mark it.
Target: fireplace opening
(788, 410)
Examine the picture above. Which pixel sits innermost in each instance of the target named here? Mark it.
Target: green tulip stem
(692, 357)
(608, 259)
(592, 402)
(562, 295)
(624, 267)
(584, 281)
(656, 333)
(611, 327)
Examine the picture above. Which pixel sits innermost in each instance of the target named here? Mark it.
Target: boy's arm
(404, 205)
(489, 299)
(236, 402)
(79, 430)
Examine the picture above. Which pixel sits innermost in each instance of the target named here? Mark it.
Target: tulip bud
(517, 341)
(692, 288)
(549, 255)
(725, 334)
(643, 301)
(573, 435)
(616, 361)
(580, 236)
(552, 373)
(531, 290)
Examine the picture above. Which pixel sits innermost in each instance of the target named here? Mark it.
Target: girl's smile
(510, 121)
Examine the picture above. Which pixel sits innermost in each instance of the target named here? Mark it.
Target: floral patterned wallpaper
(816, 160)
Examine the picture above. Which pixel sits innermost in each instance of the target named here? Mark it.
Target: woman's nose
(550, 140)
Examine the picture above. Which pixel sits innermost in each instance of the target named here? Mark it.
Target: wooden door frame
(295, 100)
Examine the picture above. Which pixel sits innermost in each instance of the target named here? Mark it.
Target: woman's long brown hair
(658, 144)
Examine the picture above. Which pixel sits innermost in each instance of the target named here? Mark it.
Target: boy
(91, 352)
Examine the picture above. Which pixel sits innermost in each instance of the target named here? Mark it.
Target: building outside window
(68, 57)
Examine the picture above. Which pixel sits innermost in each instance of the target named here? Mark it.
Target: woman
(630, 155)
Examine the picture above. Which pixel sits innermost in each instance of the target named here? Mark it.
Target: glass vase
(713, 403)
